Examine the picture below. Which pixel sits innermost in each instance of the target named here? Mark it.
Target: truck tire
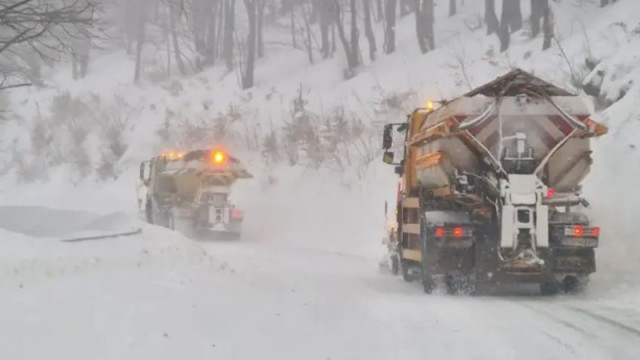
(171, 221)
(549, 288)
(149, 210)
(570, 284)
(404, 266)
(428, 285)
(395, 265)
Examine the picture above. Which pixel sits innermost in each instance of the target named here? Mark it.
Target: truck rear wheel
(428, 285)
(395, 265)
(406, 275)
(571, 284)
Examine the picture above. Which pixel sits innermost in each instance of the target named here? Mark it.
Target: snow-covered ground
(304, 282)
(161, 296)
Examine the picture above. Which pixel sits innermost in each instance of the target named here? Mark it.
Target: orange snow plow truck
(190, 192)
(490, 188)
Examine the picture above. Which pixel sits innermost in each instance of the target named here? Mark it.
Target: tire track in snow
(561, 342)
(558, 320)
(587, 329)
(606, 320)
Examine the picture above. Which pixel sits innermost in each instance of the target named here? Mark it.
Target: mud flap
(542, 226)
(506, 235)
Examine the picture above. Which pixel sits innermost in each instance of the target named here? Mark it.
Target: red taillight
(550, 192)
(578, 230)
(236, 214)
(595, 231)
(458, 232)
(440, 232)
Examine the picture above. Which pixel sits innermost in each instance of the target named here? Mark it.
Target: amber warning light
(218, 157)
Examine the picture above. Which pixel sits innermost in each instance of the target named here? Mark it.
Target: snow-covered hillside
(304, 281)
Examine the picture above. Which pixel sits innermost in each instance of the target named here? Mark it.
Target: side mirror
(387, 140)
(387, 158)
(145, 171)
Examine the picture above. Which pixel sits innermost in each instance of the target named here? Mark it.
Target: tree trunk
(537, 12)
(420, 24)
(199, 27)
(351, 53)
(355, 33)
(516, 23)
(211, 38)
(294, 43)
(369, 29)
(220, 29)
(511, 15)
(173, 16)
(229, 28)
(379, 11)
(424, 25)
(430, 17)
(261, 5)
(490, 17)
(390, 26)
(308, 44)
(80, 49)
(324, 15)
(247, 76)
(547, 27)
(140, 39)
(505, 20)
(504, 36)
(452, 7)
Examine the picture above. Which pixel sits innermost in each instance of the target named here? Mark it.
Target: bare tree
(308, 43)
(368, 29)
(229, 28)
(351, 47)
(390, 26)
(37, 26)
(204, 17)
(247, 75)
(175, 8)
(537, 12)
(260, 25)
(293, 26)
(140, 36)
(490, 17)
(424, 25)
(511, 15)
(379, 11)
(80, 49)
(547, 25)
(324, 10)
(510, 21)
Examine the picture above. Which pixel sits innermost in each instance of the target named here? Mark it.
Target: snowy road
(161, 296)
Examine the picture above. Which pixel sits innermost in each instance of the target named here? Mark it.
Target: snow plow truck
(490, 188)
(190, 192)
